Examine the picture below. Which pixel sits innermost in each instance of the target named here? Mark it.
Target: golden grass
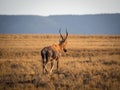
(91, 63)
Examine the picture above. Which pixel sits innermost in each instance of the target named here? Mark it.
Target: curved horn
(66, 34)
(60, 33)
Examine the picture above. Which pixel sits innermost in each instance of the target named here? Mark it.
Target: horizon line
(60, 14)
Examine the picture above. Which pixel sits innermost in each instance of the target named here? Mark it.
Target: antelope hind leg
(52, 66)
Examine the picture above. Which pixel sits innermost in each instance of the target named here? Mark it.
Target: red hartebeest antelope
(52, 53)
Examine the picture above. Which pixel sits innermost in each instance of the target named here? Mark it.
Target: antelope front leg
(57, 64)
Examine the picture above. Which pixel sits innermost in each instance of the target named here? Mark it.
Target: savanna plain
(92, 62)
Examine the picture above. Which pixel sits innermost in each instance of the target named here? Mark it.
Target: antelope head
(63, 41)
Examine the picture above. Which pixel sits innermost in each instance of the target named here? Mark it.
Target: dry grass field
(91, 63)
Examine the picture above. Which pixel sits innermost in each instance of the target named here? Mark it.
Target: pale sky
(58, 7)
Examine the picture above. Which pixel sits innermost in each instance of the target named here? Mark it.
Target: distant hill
(76, 24)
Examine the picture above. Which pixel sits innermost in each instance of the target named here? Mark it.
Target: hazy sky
(51, 7)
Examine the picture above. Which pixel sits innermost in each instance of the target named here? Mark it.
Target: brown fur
(53, 53)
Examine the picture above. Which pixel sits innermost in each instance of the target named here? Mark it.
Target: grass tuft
(91, 63)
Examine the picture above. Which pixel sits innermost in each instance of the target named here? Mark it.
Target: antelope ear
(59, 40)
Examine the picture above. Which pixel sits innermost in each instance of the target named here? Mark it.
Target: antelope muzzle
(65, 50)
